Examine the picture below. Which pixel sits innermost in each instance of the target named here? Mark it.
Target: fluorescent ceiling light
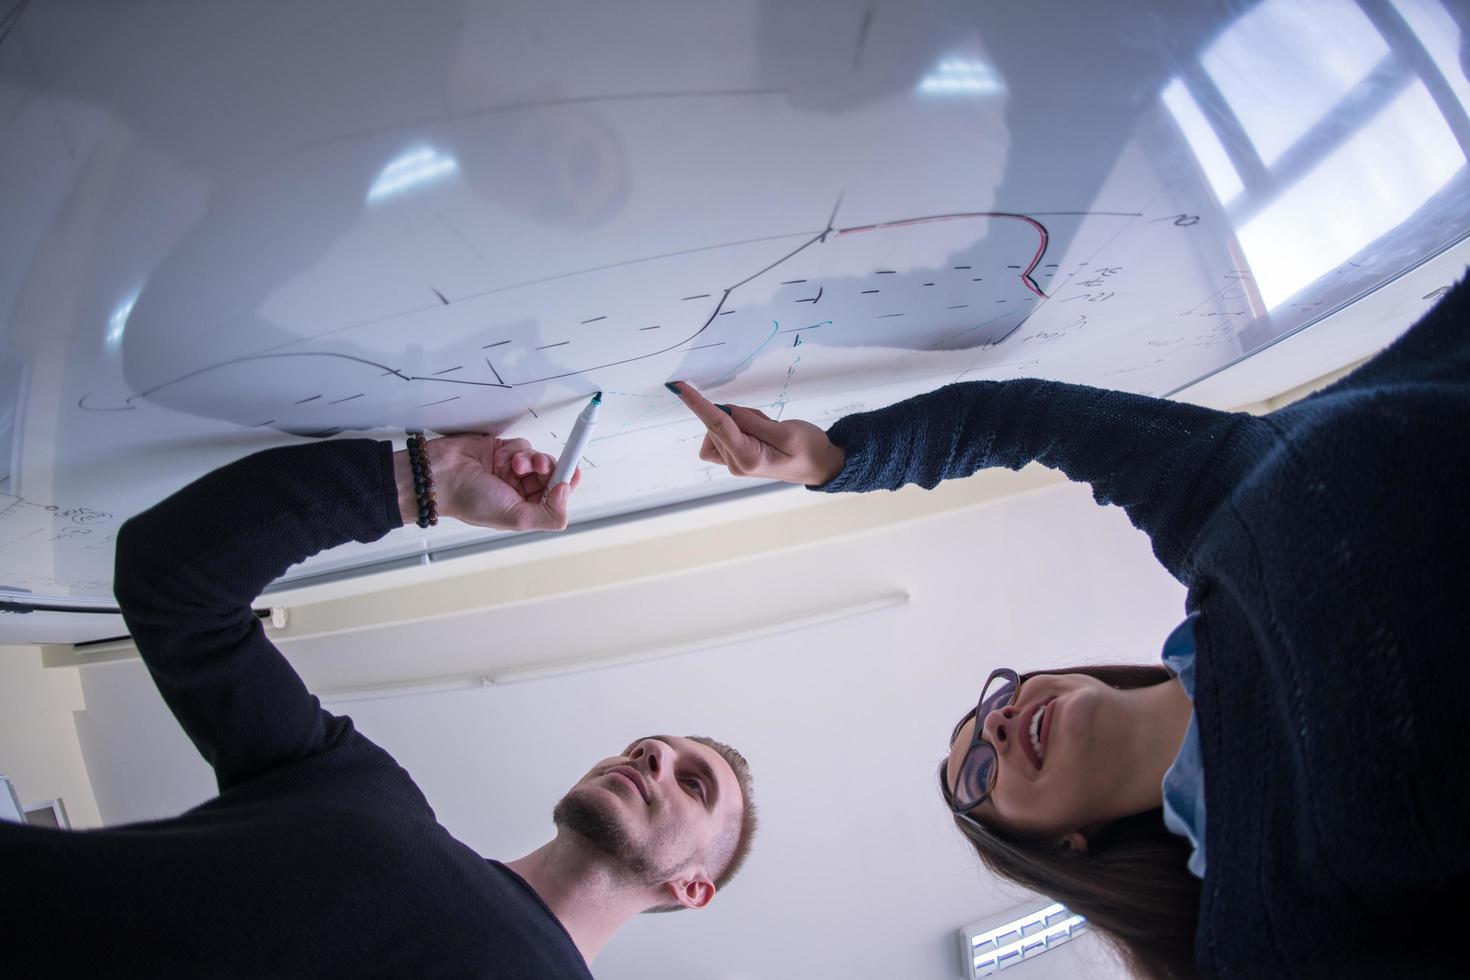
(412, 170)
(988, 950)
(516, 675)
(961, 76)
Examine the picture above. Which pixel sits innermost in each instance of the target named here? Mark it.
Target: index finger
(704, 409)
(732, 442)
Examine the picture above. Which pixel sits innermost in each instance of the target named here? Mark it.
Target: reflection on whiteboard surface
(474, 218)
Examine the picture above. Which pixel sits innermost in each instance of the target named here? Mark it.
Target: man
(320, 857)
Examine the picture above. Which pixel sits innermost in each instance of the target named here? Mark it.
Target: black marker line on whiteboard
(810, 241)
(832, 218)
(459, 381)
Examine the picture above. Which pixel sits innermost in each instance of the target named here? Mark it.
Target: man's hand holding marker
(748, 442)
(490, 482)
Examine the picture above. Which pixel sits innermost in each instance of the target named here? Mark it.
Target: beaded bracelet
(423, 479)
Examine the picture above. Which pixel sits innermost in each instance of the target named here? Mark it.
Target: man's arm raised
(189, 569)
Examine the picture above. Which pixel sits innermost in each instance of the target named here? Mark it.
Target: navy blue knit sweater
(319, 857)
(1325, 547)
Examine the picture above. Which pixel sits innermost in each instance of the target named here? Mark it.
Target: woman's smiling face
(1061, 752)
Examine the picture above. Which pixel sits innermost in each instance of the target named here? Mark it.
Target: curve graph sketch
(959, 281)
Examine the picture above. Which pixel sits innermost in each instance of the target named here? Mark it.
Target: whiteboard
(229, 226)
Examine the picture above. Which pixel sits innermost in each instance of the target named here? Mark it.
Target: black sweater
(1325, 547)
(319, 857)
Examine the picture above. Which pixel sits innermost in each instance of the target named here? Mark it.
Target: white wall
(39, 749)
(858, 871)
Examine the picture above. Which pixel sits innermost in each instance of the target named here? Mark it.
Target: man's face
(664, 808)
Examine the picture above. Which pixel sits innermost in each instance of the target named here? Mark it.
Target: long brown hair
(1132, 883)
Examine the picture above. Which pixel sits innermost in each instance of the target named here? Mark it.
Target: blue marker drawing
(775, 328)
(780, 403)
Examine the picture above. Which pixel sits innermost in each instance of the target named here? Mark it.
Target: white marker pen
(571, 455)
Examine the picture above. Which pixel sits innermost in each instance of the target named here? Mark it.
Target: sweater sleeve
(188, 569)
(1161, 461)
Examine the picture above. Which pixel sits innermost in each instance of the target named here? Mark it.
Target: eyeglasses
(976, 776)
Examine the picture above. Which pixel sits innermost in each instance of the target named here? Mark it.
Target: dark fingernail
(672, 387)
(727, 410)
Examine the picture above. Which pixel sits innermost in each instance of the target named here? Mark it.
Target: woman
(1320, 816)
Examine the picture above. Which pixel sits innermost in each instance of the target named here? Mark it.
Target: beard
(593, 820)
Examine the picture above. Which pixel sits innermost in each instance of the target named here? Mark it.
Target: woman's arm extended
(1168, 464)
(189, 568)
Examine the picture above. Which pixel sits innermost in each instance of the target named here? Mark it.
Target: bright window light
(1284, 64)
(1208, 149)
(988, 950)
(412, 170)
(1357, 194)
(961, 76)
(1440, 36)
